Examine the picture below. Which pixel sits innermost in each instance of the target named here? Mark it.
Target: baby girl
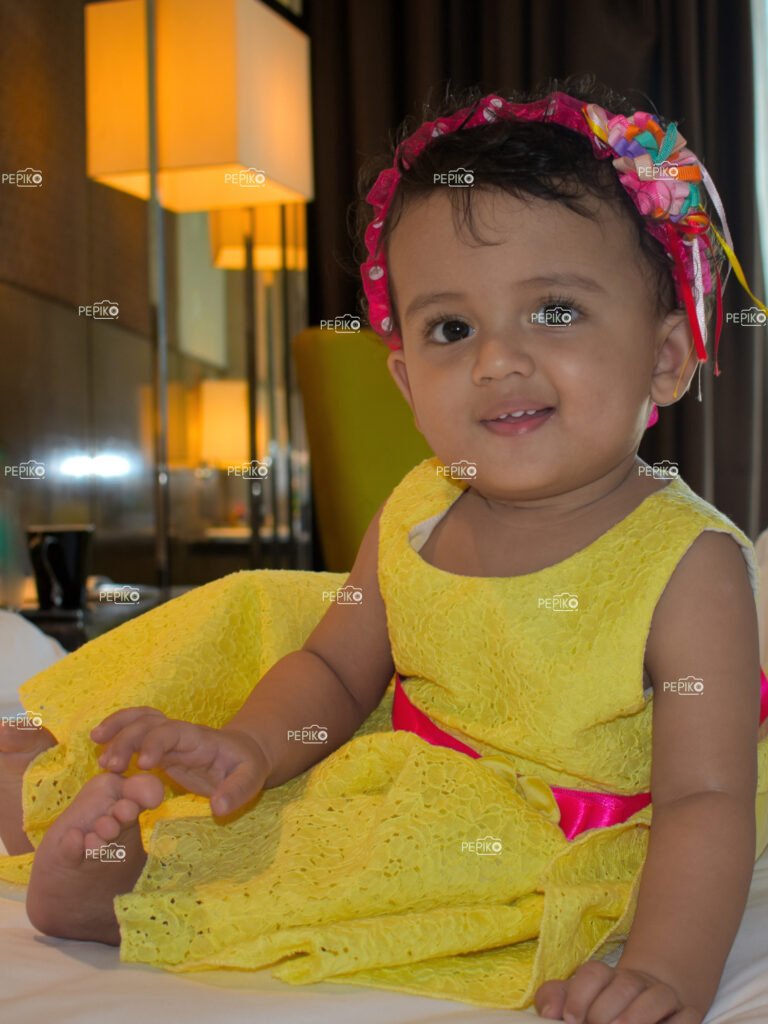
(573, 765)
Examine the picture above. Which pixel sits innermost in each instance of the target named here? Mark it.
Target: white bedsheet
(45, 979)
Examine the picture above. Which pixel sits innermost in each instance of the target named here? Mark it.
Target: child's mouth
(515, 425)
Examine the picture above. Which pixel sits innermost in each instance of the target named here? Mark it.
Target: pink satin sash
(580, 809)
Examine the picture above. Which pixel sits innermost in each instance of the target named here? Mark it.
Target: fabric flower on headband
(660, 174)
(653, 163)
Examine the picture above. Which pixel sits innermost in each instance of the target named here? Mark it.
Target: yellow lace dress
(395, 863)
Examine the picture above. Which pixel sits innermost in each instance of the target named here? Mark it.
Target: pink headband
(661, 176)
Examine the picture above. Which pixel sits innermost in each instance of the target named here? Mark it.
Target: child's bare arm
(334, 681)
(337, 678)
(696, 877)
(702, 844)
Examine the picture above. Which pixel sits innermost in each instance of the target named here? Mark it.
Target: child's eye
(451, 326)
(557, 311)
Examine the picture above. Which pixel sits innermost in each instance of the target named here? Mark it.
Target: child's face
(600, 372)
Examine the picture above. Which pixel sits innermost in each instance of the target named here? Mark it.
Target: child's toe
(72, 846)
(126, 811)
(92, 841)
(145, 789)
(106, 827)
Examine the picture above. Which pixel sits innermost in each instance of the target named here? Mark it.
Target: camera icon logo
(124, 594)
(664, 169)
(314, 734)
(106, 310)
(553, 316)
(346, 324)
(688, 686)
(665, 469)
(254, 178)
(256, 469)
(459, 177)
(31, 470)
(22, 721)
(29, 178)
(109, 852)
(489, 846)
(754, 317)
(563, 602)
(463, 470)
(749, 317)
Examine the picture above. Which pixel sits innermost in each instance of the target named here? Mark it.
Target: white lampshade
(233, 103)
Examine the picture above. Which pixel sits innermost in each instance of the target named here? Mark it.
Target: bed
(85, 983)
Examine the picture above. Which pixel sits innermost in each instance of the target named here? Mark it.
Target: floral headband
(662, 177)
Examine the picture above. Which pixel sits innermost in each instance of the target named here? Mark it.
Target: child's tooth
(517, 415)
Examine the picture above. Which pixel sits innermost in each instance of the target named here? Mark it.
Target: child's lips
(516, 426)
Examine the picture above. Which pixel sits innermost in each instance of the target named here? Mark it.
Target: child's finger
(238, 788)
(584, 986)
(652, 1004)
(163, 739)
(113, 723)
(550, 998)
(120, 750)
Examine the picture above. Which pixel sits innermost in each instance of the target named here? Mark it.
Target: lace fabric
(393, 863)
(545, 668)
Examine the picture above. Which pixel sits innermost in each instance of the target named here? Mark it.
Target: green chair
(361, 434)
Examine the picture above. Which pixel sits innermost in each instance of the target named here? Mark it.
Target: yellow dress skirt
(379, 866)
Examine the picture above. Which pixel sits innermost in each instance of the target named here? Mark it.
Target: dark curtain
(376, 61)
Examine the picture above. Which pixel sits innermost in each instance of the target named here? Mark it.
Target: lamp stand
(288, 385)
(159, 305)
(254, 495)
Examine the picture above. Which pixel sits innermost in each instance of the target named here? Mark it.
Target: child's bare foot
(19, 745)
(91, 853)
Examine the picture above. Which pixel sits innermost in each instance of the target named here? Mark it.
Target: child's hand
(599, 994)
(230, 767)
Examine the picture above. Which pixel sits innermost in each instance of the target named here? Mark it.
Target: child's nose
(501, 353)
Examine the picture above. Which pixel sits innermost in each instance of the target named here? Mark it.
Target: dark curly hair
(522, 158)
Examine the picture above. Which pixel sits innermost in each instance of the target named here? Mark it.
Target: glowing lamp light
(233, 103)
(224, 422)
(229, 228)
(106, 465)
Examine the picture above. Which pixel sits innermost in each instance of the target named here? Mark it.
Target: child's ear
(676, 359)
(397, 368)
